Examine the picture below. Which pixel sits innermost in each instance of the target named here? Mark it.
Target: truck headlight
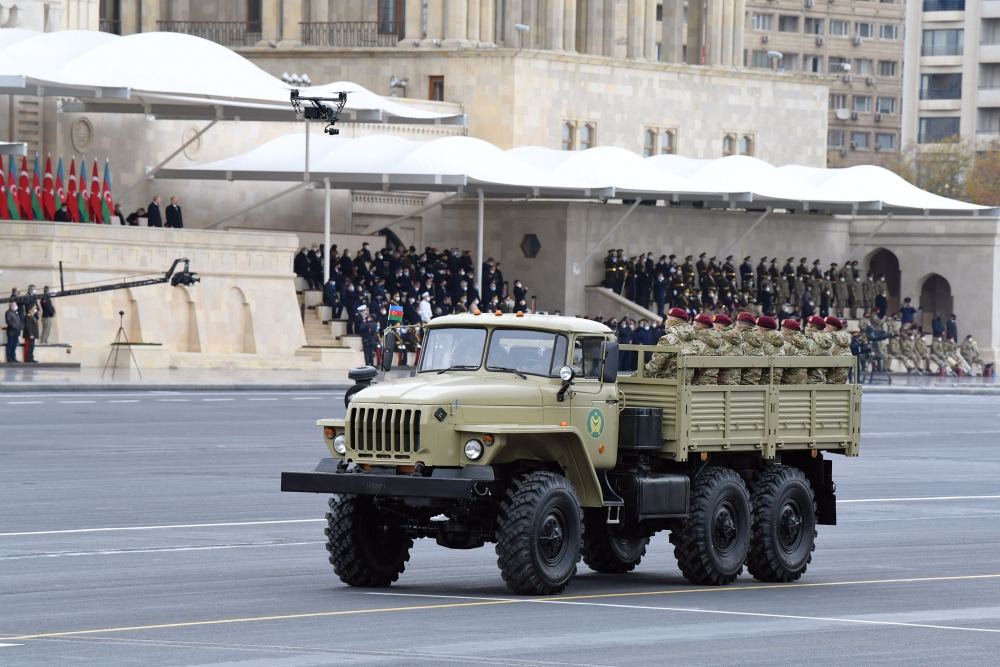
(340, 444)
(473, 450)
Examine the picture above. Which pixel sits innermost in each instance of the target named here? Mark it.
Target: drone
(317, 110)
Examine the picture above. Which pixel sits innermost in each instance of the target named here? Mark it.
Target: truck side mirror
(609, 369)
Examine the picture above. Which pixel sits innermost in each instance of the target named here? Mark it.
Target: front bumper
(334, 476)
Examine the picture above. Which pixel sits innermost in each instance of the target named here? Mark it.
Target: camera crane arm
(173, 276)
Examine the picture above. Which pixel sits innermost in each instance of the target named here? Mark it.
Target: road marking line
(173, 400)
(208, 400)
(126, 552)
(923, 433)
(307, 398)
(262, 399)
(24, 402)
(125, 400)
(6, 645)
(918, 498)
(77, 401)
(110, 394)
(114, 529)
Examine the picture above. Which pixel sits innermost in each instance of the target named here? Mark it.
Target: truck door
(594, 405)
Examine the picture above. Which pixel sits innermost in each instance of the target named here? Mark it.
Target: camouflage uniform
(921, 353)
(820, 345)
(938, 354)
(710, 346)
(663, 364)
(774, 346)
(970, 351)
(796, 345)
(732, 346)
(908, 353)
(841, 347)
(753, 345)
(893, 351)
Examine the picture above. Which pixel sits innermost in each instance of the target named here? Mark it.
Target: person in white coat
(424, 308)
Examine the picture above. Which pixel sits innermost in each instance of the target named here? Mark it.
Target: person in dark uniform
(62, 215)
(788, 273)
(746, 275)
(133, 217)
(14, 324)
(174, 217)
(729, 273)
(761, 270)
(30, 334)
(152, 216)
(368, 330)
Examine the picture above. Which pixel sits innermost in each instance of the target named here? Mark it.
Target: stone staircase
(326, 339)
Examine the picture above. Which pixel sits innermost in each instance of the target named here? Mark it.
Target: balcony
(988, 96)
(941, 50)
(227, 33)
(989, 53)
(990, 9)
(942, 93)
(944, 5)
(352, 34)
(113, 26)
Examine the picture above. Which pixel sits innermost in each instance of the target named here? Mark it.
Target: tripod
(121, 339)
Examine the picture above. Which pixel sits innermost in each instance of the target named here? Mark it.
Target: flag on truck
(36, 193)
(395, 313)
(49, 191)
(106, 205)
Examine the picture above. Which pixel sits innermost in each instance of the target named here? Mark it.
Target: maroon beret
(835, 322)
(722, 318)
(679, 313)
(745, 317)
(791, 324)
(704, 318)
(767, 322)
(817, 321)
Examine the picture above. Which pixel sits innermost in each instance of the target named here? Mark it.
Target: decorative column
(672, 35)
(739, 26)
(713, 32)
(472, 21)
(151, 14)
(291, 17)
(727, 34)
(555, 29)
(635, 28)
(610, 31)
(487, 22)
(594, 33)
(456, 19)
(569, 25)
(413, 28)
(649, 32)
(435, 24)
(695, 31)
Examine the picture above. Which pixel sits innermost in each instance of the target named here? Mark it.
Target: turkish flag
(49, 191)
(74, 211)
(24, 191)
(94, 203)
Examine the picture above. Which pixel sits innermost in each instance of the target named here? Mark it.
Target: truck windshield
(455, 347)
(529, 352)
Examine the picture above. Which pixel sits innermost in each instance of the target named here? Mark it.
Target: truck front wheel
(607, 553)
(784, 525)
(366, 547)
(712, 543)
(538, 534)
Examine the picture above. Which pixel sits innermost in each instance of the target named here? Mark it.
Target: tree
(941, 168)
(983, 182)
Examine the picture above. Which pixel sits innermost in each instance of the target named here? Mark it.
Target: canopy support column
(279, 195)
(747, 233)
(614, 229)
(306, 170)
(326, 230)
(479, 249)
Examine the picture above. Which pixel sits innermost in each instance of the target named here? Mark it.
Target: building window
(728, 145)
(944, 5)
(588, 136)
(648, 142)
(839, 28)
(390, 16)
(864, 66)
(568, 136)
(885, 141)
(838, 101)
(835, 65)
(835, 138)
(668, 142)
(759, 59)
(887, 68)
(746, 145)
(812, 63)
(859, 141)
(788, 23)
(943, 42)
(814, 26)
(864, 29)
(941, 86)
(935, 130)
(886, 105)
(762, 22)
(435, 88)
(889, 31)
(861, 104)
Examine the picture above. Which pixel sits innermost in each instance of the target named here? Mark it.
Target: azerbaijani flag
(36, 193)
(107, 206)
(395, 313)
(12, 204)
(4, 212)
(81, 193)
(49, 191)
(60, 191)
(95, 197)
(24, 190)
(71, 201)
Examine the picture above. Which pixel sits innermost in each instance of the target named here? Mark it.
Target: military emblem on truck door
(595, 423)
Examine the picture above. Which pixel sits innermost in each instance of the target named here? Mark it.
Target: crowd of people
(898, 338)
(171, 216)
(707, 284)
(29, 320)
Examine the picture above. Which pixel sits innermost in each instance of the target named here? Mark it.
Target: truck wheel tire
(784, 525)
(365, 548)
(607, 553)
(539, 531)
(711, 544)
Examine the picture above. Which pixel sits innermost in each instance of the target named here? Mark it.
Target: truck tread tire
(711, 545)
(784, 525)
(538, 534)
(364, 551)
(605, 553)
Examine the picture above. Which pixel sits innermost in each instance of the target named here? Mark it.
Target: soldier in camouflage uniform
(939, 356)
(906, 349)
(774, 346)
(820, 345)
(841, 347)
(970, 351)
(732, 346)
(677, 333)
(840, 296)
(710, 345)
(921, 353)
(753, 346)
(893, 351)
(796, 345)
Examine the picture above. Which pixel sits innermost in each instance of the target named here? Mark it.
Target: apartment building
(854, 45)
(951, 80)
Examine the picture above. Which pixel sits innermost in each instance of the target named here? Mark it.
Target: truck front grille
(385, 432)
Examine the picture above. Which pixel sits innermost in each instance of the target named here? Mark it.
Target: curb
(967, 391)
(64, 388)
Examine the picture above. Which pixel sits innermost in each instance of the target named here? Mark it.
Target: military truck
(519, 430)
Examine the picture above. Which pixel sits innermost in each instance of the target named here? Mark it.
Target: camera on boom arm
(315, 108)
(183, 276)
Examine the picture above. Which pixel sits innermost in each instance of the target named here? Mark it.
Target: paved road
(148, 529)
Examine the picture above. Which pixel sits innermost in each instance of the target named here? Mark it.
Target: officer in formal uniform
(746, 275)
(609, 270)
(729, 274)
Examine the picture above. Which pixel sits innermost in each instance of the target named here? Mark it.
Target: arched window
(588, 136)
(935, 299)
(568, 136)
(728, 145)
(648, 143)
(668, 142)
(746, 145)
(884, 264)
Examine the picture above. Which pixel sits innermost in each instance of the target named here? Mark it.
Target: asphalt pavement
(147, 528)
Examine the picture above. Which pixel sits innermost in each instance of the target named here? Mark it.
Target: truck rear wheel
(712, 543)
(366, 547)
(784, 525)
(607, 553)
(538, 533)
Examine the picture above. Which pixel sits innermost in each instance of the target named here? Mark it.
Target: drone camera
(314, 108)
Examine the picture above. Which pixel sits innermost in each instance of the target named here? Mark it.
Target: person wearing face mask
(711, 345)
(732, 346)
(661, 288)
(796, 345)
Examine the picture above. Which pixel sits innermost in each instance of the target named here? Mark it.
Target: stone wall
(245, 303)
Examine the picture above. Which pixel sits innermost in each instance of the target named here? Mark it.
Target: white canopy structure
(171, 75)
